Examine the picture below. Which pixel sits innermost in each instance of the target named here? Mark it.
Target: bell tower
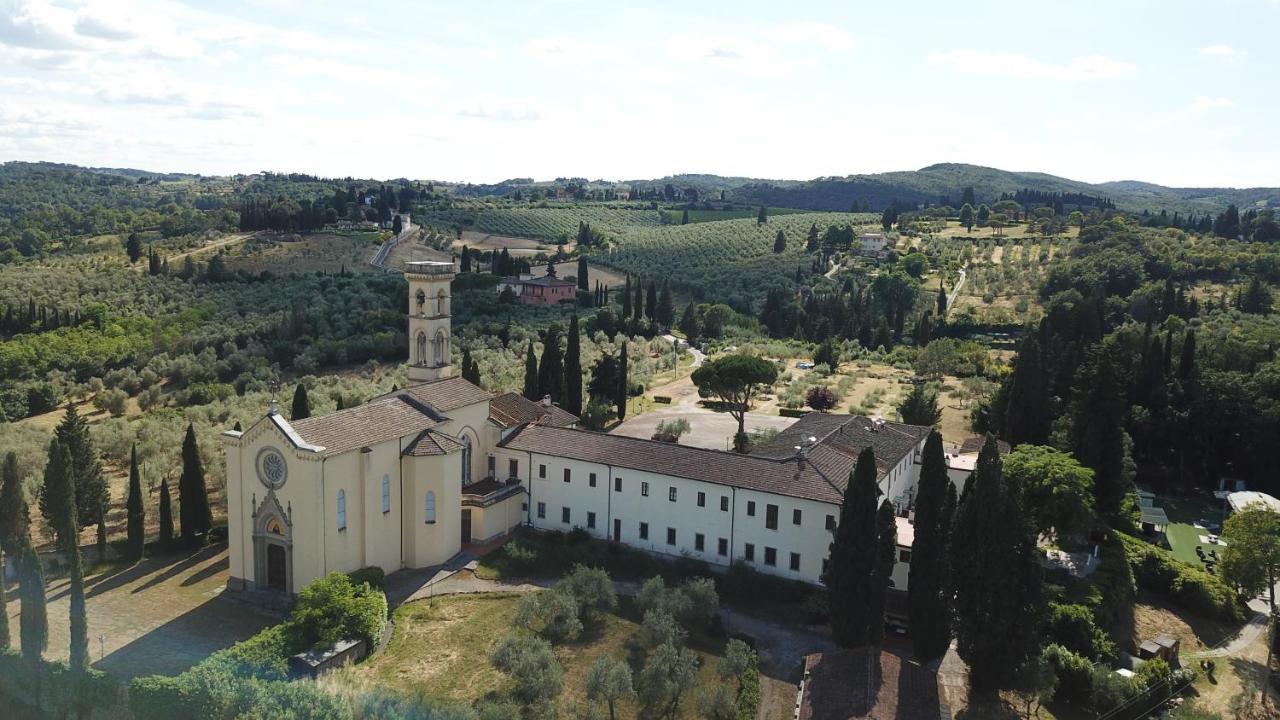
(429, 320)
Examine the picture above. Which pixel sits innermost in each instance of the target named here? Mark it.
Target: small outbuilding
(314, 663)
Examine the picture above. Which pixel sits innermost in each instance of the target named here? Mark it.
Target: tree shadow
(185, 564)
(208, 571)
(177, 645)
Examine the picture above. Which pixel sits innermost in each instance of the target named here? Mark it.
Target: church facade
(408, 479)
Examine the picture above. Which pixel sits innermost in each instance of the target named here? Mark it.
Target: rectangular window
(542, 510)
(831, 522)
(644, 531)
(702, 499)
(751, 508)
(749, 552)
(826, 563)
(671, 536)
(542, 472)
(671, 494)
(722, 547)
(795, 516)
(724, 503)
(591, 480)
(564, 515)
(771, 556)
(566, 474)
(795, 561)
(904, 556)
(617, 484)
(644, 489)
(591, 521)
(699, 542)
(771, 517)
(513, 469)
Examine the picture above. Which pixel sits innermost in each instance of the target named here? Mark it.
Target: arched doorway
(272, 546)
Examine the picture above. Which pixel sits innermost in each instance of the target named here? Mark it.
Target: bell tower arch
(430, 331)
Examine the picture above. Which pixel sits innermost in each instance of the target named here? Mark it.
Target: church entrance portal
(275, 568)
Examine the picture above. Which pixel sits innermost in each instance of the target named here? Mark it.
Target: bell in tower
(429, 320)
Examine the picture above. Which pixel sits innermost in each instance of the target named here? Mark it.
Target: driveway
(707, 428)
(160, 616)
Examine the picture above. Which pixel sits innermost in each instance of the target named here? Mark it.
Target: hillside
(946, 181)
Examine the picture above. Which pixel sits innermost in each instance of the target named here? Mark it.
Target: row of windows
(429, 504)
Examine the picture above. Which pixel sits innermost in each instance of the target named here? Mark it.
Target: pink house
(547, 290)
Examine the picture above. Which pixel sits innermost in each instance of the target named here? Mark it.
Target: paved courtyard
(160, 616)
(707, 428)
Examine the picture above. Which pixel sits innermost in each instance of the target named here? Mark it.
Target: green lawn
(1183, 512)
(439, 652)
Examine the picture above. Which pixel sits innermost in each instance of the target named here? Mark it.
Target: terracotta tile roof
(432, 442)
(549, 281)
(511, 409)
(373, 422)
(786, 477)
(843, 437)
(447, 394)
(851, 685)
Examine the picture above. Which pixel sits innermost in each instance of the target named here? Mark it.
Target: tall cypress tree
(620, 397)
(853, 557)
(59, 515)
(1098, 437)
(573, 370)
(651, 301)
(531, 373)
(15, 517)
(62, 496)
(194, 514)
(551, 368)
(4, 617)
(995, 573)
(1187, 363)
(780, 242)
(166, 515)
(301, 403)
(33, 623)
(666, 311)
(637, 307)
(886, 554)
(926, 589)
(582, 274)
(626, 298)
(137, 514)
(92, 495)
(1026, 417)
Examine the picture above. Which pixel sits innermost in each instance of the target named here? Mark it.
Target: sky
(1173, 92)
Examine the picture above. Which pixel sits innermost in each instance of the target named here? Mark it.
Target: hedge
(63, 692)
(748, 704)
(1190, 587)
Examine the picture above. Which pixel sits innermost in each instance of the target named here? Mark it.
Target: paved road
(955, 291)
(379, 259)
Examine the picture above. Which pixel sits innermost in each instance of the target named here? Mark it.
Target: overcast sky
(1174, 92)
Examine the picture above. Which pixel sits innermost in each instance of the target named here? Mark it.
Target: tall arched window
(422, 300)
(442, 303)
(386, 493)
(441, 349)
(342, 510)
(466, 460)
(422, 348)
(430, 511)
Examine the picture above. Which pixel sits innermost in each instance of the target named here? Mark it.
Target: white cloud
(1203, 102)
(824, 35)
(560, 50)
(37, 25)
(1018, 65)
(1219, 51)
(739, 54)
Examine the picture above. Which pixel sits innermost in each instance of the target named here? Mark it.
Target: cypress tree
(942, 300)
(531, 373)
(853, 558)
(1187, 363)
(1098, 437)
(626, 299)
(194, 513)
(651, 301)
(780, 242)
(466, 260)
(637, 307)
(91, 493)
(15, 519)
(573, 370)
(62, 497)
(59, 515)
(620, 397)
(4, 617)
(137, 531)
(33, 623)
(995, 575)
(166, 515)
(551, 368)
(762, 216)
(1026, 417)
(582, 274)
(666, 312)
(684, 217)
(886, 554)
(301, 404)
(926, 591)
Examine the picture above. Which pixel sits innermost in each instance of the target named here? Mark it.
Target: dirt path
(234, 239)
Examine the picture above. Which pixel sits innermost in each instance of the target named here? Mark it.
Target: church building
(408, 479)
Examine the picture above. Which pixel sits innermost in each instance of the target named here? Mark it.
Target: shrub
(1072, 627)
(749, 691)
(530, 662)
(1191, 588)
(578, 535)
(552, 614)
(373, 575)
(264, 656)
(333, 608)
(1075, 674)
(592, 591)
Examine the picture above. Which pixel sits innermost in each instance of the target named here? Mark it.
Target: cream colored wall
(371, 537)
(429, 544)
(472, 420)
(236, 517)
(497, 519)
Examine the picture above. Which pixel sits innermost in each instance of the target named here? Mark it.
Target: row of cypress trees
(974, 573)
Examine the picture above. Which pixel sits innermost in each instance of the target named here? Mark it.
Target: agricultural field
(550, 223)
(674, 216)
(323, 252)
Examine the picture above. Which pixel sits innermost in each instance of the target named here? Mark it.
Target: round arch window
(273, 471)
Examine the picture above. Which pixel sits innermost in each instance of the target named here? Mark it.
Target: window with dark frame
(617, 484)
(591, 521)
(513, 469)
(591, 480)
(751, 508)
(795, 516)
(699, 542)
(671, 494)
(771, 556)
(671, 536)
(542, 511)
(566, 475)
(749, 552)
(644, 531)
(831, 522)
(724, 503)
(795, 562)
(644, 489)
(564, 515)
(702, 499)
(542, 472)
(771, 517)
(722, 547)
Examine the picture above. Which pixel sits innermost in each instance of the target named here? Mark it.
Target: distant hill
(944, 183)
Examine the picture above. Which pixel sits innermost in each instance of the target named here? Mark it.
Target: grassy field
(305, 253)
(440, 652)
(698, 216)
(1182, 534)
